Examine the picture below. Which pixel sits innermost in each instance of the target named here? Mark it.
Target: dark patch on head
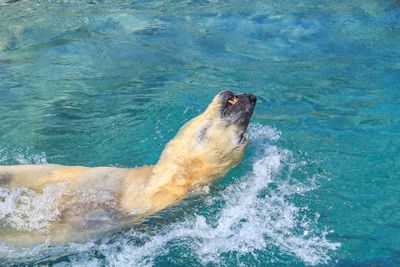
(226, 95)
(202, 133)
(5, 178)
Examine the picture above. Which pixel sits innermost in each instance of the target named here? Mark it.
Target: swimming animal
(85, 201)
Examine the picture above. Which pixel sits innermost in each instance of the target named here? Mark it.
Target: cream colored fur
(204, 149)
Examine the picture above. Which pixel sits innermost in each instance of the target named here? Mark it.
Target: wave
(20, 156)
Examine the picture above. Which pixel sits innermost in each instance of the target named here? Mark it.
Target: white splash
(25, 210)
(20, 156)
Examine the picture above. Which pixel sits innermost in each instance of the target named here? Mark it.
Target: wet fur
(204, 149)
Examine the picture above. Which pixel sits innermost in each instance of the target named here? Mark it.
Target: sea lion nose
(252, 98)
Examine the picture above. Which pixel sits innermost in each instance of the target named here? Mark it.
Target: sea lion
(73, 203)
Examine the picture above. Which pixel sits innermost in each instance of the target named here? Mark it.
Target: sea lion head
(235, 110)
(212, 143)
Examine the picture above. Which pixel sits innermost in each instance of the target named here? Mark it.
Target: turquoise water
(104, 83)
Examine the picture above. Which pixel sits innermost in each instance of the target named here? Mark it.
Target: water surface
(103, 83)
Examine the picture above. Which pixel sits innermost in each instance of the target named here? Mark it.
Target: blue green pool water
(109, 83)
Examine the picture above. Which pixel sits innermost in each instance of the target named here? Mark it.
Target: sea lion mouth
(237, 109)
(233, 101)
